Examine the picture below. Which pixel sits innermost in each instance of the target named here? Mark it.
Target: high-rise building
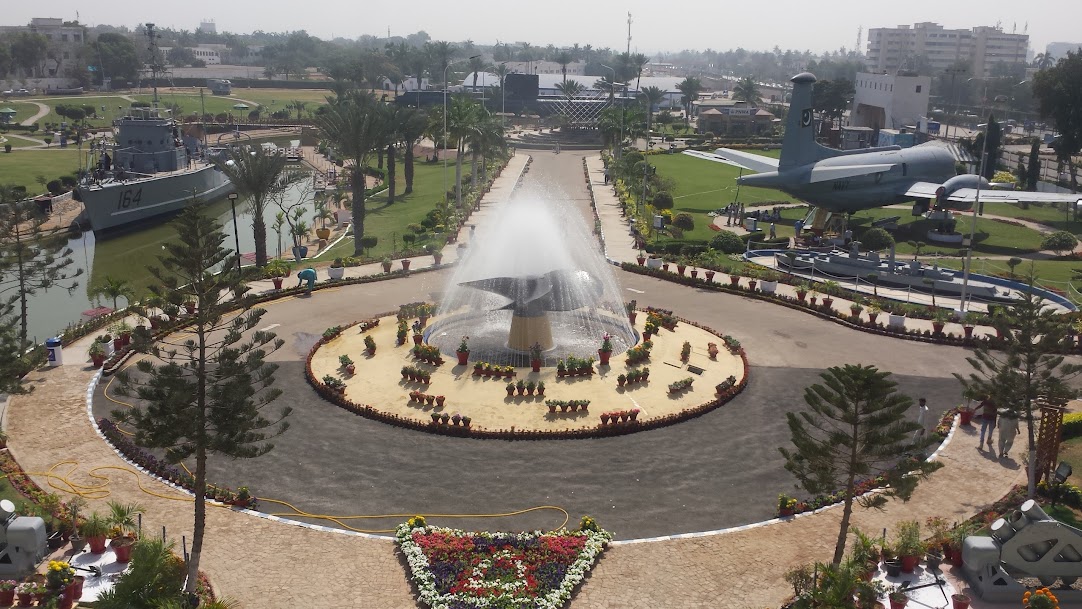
(908, 47)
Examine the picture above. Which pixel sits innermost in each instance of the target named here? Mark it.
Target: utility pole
(629, 33)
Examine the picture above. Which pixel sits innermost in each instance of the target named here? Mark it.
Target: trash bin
(54, 348)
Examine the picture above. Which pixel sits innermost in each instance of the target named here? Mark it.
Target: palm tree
(114, 289)
(1043, 61)
(258, 178)
(411, 129)
(570, 88)
(463, 118)
(652, 96)
(563, 58)
(442, 52)
(299, 107)
(689, 89)
(355, 126)
(476, 66)
(747, 90)
(638, 62)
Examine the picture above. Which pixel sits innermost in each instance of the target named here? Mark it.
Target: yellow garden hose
(100, 491)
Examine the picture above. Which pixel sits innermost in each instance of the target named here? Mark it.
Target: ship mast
(154, 65)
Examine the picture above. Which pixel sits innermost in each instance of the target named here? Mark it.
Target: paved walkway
(268, 564)
(43, 111)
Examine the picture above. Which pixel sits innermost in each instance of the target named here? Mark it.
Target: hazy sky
(657, 26)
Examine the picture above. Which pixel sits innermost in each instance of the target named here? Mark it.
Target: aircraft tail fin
(799, 146)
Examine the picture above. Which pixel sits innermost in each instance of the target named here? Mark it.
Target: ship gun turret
(1026, 543)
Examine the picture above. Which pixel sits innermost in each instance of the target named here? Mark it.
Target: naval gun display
(22, 542)
(1027, 543)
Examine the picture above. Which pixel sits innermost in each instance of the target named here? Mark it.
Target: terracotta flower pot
(97, 544)
(960, 601)
(463, 356)
(751, 284)
(277, 281)
(937, 327)
(641, 260)
(604, 356)
(680, 269)
(969, 333)
(709, 276)
(694, 273)
(535, 365)
(909, 563)
(386, 267)
(405, 264)
(734, 280)
(7, 597)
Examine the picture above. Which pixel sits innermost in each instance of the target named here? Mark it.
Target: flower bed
(826, 312)
(639, 353)
(455, 569)
(368, 411)
(430, 354)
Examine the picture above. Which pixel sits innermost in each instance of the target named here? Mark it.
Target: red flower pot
(827, 302)
(680, 269)
(664, 266)
(97, 544)
(937, 327)
(535, 365)
(631, 317)
(7, 597)
(641, 260)
(898, 604)
(520, 390)
(872, 316)
(967, 417)
(709, 275)
(969, 334)
(417, 339)
(605, 419)
(190, 308)
(960, 601)
(734, 280)
(552, 408)
(405, 264)
(751, 284)
(801, 296)
(694, 273)
(25, 599)
(909, 563)
(98, 360)
(463, 356)
(604, 356)
(511, 393)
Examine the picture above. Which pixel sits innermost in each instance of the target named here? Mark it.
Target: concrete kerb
(746, 527)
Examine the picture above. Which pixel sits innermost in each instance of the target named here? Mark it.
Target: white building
(983, 47)
(63, 42)
(211, 54)
(884, 101)
(546, 85)
(409, 84)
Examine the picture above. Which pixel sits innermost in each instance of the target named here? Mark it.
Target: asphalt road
(719, 470)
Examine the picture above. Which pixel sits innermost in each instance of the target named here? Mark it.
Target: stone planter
(768, 287)
(896, 321)
(336, 272)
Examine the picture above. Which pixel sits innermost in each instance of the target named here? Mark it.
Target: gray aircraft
(852, 180)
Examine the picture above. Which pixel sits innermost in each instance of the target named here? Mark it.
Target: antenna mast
(860, 39)
(629, 33)
(152, 46)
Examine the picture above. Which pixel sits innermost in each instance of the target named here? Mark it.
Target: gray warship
(151, 170)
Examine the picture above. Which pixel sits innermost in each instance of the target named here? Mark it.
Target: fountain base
(528, 330)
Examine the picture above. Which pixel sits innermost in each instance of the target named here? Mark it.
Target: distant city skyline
(826, 25)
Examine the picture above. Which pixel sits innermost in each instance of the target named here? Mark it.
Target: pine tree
(857, 428)
(32, 258)
(206, 394)
(1025, 365)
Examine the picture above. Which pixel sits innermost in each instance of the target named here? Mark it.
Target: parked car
(22, 92)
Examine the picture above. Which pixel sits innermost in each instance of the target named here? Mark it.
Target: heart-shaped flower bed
(454, 569)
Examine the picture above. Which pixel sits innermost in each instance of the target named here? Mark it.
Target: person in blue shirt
(308, 275)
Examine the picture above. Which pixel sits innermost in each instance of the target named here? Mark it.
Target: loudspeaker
(521, 86)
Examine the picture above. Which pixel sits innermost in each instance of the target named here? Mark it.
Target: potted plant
(94, 529)
(874, 309)
(540, 387)
(786, 505)
(606, 349)
(898, 599)
(121, 334)
(7, 592)
(520, 387)
(25, 591)
(122, 518)
(97, 354)
(337, 269)
(968, 322)
(939, 320)
(620, 380)
(802, 291)
(908, 544)
(437, 254)
(386, 262)
(855, 308)
(561, 368)
(829, 288)
(641, 258)
(405, 264)
(769, 282)
(299, 230)
(370, 344)
(630, 307)
(960, 600)
(712, 350)
(535, 357)
(463, 351)
(530, 386)
(276, 269)
(347, 363)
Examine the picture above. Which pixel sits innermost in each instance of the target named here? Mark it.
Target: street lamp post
(973, 223)
(236, 229)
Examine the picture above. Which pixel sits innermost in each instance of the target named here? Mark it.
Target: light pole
(973, 222)
(236, 229)
(613, 85)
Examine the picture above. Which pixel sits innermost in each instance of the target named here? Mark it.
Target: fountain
(534, 275)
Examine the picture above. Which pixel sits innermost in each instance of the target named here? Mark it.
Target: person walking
(773, 231)
(922, 414)
(988, 421)
(1008, 429)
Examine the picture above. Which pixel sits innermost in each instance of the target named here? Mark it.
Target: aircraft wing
(969, 195)
(826, 174)
(745, 160)
(922, 190)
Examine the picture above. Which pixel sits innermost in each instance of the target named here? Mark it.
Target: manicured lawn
(18, 142)
(25, 110)
(22, 167)
(1051, 214)
(1056, 273)
(389, 222)
(191, 104)
(703, 186)
(994, 238)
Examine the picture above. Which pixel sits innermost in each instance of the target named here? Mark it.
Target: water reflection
(127, 256)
